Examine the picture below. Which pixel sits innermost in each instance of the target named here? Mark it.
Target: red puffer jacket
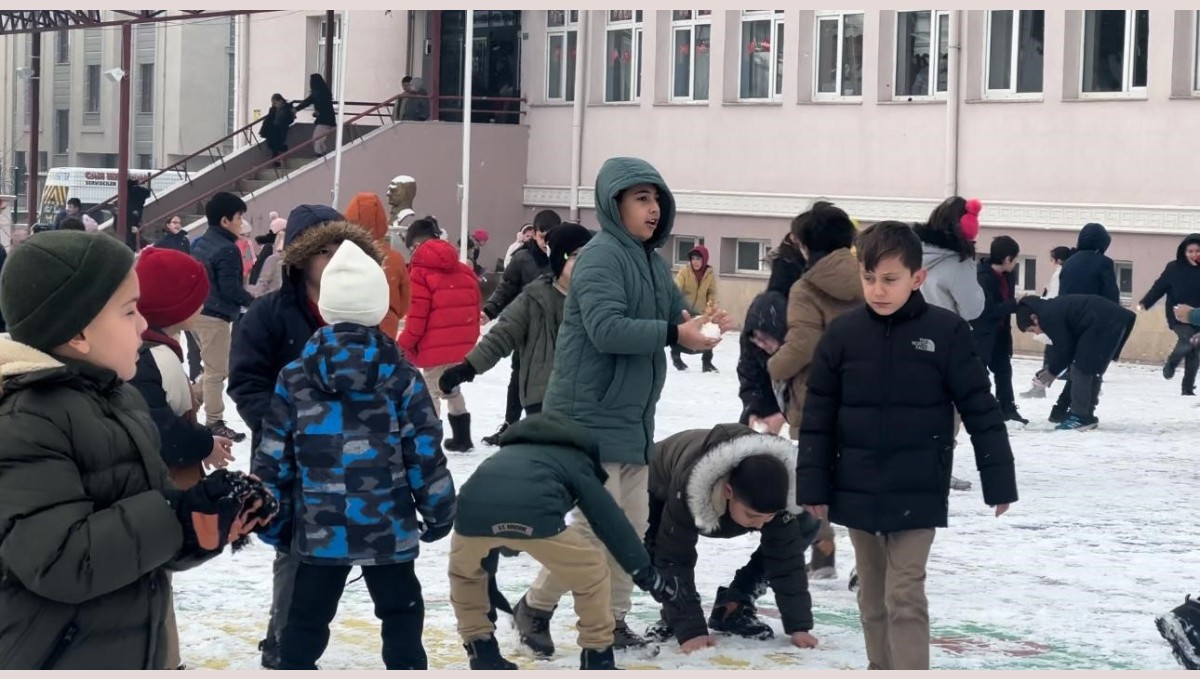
(443, 320)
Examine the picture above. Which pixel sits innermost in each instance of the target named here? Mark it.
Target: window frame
(677, 240)
(62, 47)
(777, 19)
(841, 15)
(1127, 91)
(1011, 93)
(569, 26)
(691, 25)
(935, 35)
(1125, 297)
(764, 249)
(1023, 270)
(92, 89)
(636, 25)
(62, 131)
(322, 27)
(145, 91)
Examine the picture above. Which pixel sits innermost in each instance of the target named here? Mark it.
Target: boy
(610, 364)
(351, 448)
(877, 438)
(993, 327)
(698, 283)
(1057, 256)
(1085, 333)
(529, 328)
(723, 484)
(516, 500)
(271, 335)
(528, 264)
(89, 522)
(218, 251)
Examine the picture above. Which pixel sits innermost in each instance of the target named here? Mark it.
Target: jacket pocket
(615, 386)
(61, 644)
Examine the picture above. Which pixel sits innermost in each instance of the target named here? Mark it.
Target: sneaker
(590, 659)
(959, 484)
(1036, 391)
(494, 439)
(1011, 414)
(853, 586)
(624, 638)
(1077, 423)
(737, 618)
(709, 368)
(660, 632)
(485, 655)
(221, 429)
(533, 626)
(1058, 414)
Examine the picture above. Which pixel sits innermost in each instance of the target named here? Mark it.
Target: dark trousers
(1084, 390)
(999, 362)
(398, 605)
(195, 367)
(1186, 353)
(705, 357)
(512, 407)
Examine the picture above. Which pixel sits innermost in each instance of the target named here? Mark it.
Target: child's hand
(804, 640)
(819, 511)
(772, 424)
(698, 643)
(765, 342)
(691, 334)
(222, 454)
(723, 320)
(1000, 509)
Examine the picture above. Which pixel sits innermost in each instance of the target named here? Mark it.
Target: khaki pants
(174, 660)
(321, 146)
(213, 335)
(571, 555)
(891, 597)
(455, 402)
(627, 485)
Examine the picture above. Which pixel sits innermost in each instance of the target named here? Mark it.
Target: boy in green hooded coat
(623, 312)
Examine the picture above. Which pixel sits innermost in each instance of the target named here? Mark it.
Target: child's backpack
(1181, 629)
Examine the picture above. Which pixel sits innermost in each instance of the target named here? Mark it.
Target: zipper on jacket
(60, 646)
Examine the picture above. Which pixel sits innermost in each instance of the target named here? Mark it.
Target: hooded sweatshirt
(699, 288)
(951, 281)
(1089, 271)
(1179, 281)
(366, 210)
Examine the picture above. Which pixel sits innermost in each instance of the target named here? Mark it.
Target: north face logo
(924, 345)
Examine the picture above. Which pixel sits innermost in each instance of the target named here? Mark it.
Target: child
(1180, 283)
(516, 500)
(698, 283)
(269, 276)
(1085, 334)
(443, 321)
(271, 335)
(610, 363)
(90, 524)
(1057, 256)
(351, 448)
(529, 327)
(723, 484)
(993, 327)
(876, 439)
(366, 210)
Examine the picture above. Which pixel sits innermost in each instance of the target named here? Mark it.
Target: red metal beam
(32, 204)
(27, 21)
(123, 132)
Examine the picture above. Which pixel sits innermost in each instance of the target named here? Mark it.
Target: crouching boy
(725, 483)
(517, 499)
(352, 449)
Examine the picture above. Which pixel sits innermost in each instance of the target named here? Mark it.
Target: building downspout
(581, 71)
(952, 103)
(242, 51)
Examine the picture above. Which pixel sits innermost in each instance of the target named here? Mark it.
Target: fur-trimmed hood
(311, 240)
(18, 359)
(719, 460)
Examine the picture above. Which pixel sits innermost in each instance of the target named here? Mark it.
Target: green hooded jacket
(529, 328)
(610, 364)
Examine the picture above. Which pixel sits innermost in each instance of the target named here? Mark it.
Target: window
(691, 31)
(916, 34)
(62, 130)
(684, 245)
(145, 88)
(1027, 273)
(62, 47)
(319, 67)
(562, 37)
(762, 54)
(91, 89)
(1014, 54)
(751, 256)
(1115, 44)
(839, 55)
(145, 161)
(1124, 280)
(623, 68)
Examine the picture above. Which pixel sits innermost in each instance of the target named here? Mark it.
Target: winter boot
(1169, 368)
(270, 654)
(460, 425)
(1181, 629)
(1059, 413)
(494, 439)
(1035, 391)
(597, 660)
(624, 638)
(1076, 423)
(853, 586)
(533, 626)
(677, 361)
(221, 429)
(735, 614)
(822, 566)
(485, 655)
(1012, 415)
(959, 484)
(708, 366)
(1189, 390)
(660, 631)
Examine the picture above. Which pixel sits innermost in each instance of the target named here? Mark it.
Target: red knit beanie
(173, 286)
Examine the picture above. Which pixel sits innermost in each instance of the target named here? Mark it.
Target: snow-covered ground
(1103, 539)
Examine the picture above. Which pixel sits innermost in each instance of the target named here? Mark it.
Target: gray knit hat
(54, 284)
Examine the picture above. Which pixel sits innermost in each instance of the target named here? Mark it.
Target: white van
(92, 186)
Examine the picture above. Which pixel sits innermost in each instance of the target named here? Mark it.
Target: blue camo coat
(351, 447)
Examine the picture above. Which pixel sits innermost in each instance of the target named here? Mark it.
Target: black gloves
(435, 533)
(663, 588)
(223, 508)
(449, 381)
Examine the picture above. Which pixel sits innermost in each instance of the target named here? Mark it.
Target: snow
(1102, 541)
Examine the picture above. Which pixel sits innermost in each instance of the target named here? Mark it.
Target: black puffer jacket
(3, 256)
(767, 314)
(1179, 281)
(999, 304)
(526, 266)
(1087, 331)
(1089, 271)
(877, 435)
(684, 474)
(217, 250)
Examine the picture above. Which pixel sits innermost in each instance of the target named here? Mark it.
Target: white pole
(952, 69)
(581, 51)
(341, 112)
(468, 72)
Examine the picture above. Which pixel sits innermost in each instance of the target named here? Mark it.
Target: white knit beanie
(354, 288)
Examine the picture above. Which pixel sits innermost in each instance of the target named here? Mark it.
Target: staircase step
(246, 186)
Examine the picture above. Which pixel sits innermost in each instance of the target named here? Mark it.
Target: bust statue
(401, 193)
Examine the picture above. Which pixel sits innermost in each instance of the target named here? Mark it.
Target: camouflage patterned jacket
(351, 447)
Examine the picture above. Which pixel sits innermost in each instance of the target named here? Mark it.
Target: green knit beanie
(57, 282)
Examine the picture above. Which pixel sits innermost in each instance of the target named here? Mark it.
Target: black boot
(597, 660)
(460, 442)
(485, 655)
(677, 361)
(734, 613)
(494, 439)
(270, 654)
(533, 626)
(708, 367)
(1058, 414)
(1189, 390)
(660, 631)
(624, 638)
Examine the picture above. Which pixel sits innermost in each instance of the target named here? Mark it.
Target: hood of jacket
(786, 268)
(550, 429)
(349, 358)
(768, 313)
(311, 240)
(1094, 237)
(21, 366)
(725, 447)
(836, 275)
(366, 210)
(703, 252)
(1181, 252)
(618, 174)
(435, 253)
